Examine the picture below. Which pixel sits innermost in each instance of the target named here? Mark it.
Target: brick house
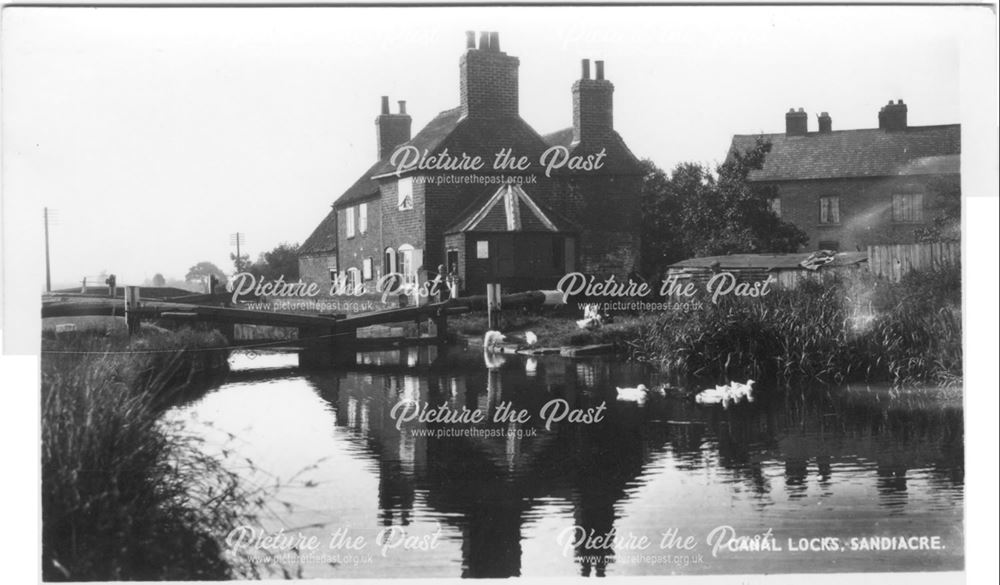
(518, 227)
(848, 189)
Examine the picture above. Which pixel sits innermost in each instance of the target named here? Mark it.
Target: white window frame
(362, 218)
(775, 204)
(482, 249)
(350, 222)
(367, 268)
(404, 193)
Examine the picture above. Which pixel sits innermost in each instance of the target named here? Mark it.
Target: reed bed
(125, 497)
(843, 329)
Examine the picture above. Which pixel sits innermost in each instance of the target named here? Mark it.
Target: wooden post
(493, 306)
(132, 309)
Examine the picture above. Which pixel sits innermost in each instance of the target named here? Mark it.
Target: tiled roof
(482, 137)
(509, 209)
(855, 153)
(619, 159)
(324, 237)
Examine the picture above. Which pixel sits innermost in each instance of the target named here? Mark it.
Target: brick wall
(402, 227)
(865, 210)
(593, 109)
(316, 269)
(353, 251)
(488, 83)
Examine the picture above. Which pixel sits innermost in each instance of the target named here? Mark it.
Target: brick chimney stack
(825, 123)
(391, 130)
(593, 104)
(892, 116)
(488, 78)
(796, 123)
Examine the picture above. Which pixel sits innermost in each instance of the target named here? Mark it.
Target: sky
(154, 134)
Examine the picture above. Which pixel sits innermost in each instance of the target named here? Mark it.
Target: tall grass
(845, 328)
(123, 496)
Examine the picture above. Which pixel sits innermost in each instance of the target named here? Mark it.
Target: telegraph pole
(48, 275)
(238, 238)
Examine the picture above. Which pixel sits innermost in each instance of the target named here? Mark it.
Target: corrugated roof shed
(856, 153)
(766, 261)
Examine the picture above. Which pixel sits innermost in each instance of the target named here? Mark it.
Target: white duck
(725, 395)
(638, 394)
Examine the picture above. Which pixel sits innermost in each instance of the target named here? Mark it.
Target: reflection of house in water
(489, 488)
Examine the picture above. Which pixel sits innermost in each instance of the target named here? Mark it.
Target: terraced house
(521, 227)
(848, 189)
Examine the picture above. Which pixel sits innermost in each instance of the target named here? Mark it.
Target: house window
(452, 261)
(829, 209)
(350, 221)
(908, 207)
(482, 249)
(775, 204)
(353, 280)
(404, 188)
(332, 266)
(405, 264)
(366, 269)
(363, 218)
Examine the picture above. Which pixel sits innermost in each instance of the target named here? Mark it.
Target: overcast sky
(156, 133)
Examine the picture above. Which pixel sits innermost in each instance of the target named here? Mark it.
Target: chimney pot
(585, 69)
(599, 74)
(385, 105)
(484, 41)
(893, 116)
(825, 123)
(402, 107)
(796, 122)
(494, 41)
(470, 39)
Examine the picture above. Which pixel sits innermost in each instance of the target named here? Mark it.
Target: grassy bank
(123, 496)
(843, 329)
(856, 328)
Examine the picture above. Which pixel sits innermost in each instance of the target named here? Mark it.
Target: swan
(637, 394)
(530, 338)
(493, 339)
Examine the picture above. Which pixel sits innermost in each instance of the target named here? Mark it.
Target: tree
(159, 280)
(694, 212)
(202, 271)
(240, 263)
(283, 260)
(946, 205)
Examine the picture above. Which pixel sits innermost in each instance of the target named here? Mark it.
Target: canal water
(820, 476)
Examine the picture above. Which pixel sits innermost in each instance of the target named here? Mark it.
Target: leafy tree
(240, 263)
(946, 204)
(694, 212)
(283, 260)
(159, 280)
(201, 272)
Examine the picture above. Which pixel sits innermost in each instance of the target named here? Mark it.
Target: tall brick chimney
(488, 78)
(796, 123)
(391, 130)
(892, 116)
(825, 123)
(593, 104)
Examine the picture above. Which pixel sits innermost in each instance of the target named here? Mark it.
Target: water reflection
(838, 462)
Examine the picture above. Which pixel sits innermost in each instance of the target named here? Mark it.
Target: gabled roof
(324, 237)
(509, 209)
(856, 153)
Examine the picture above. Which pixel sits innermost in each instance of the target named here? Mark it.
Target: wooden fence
(894, 260)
